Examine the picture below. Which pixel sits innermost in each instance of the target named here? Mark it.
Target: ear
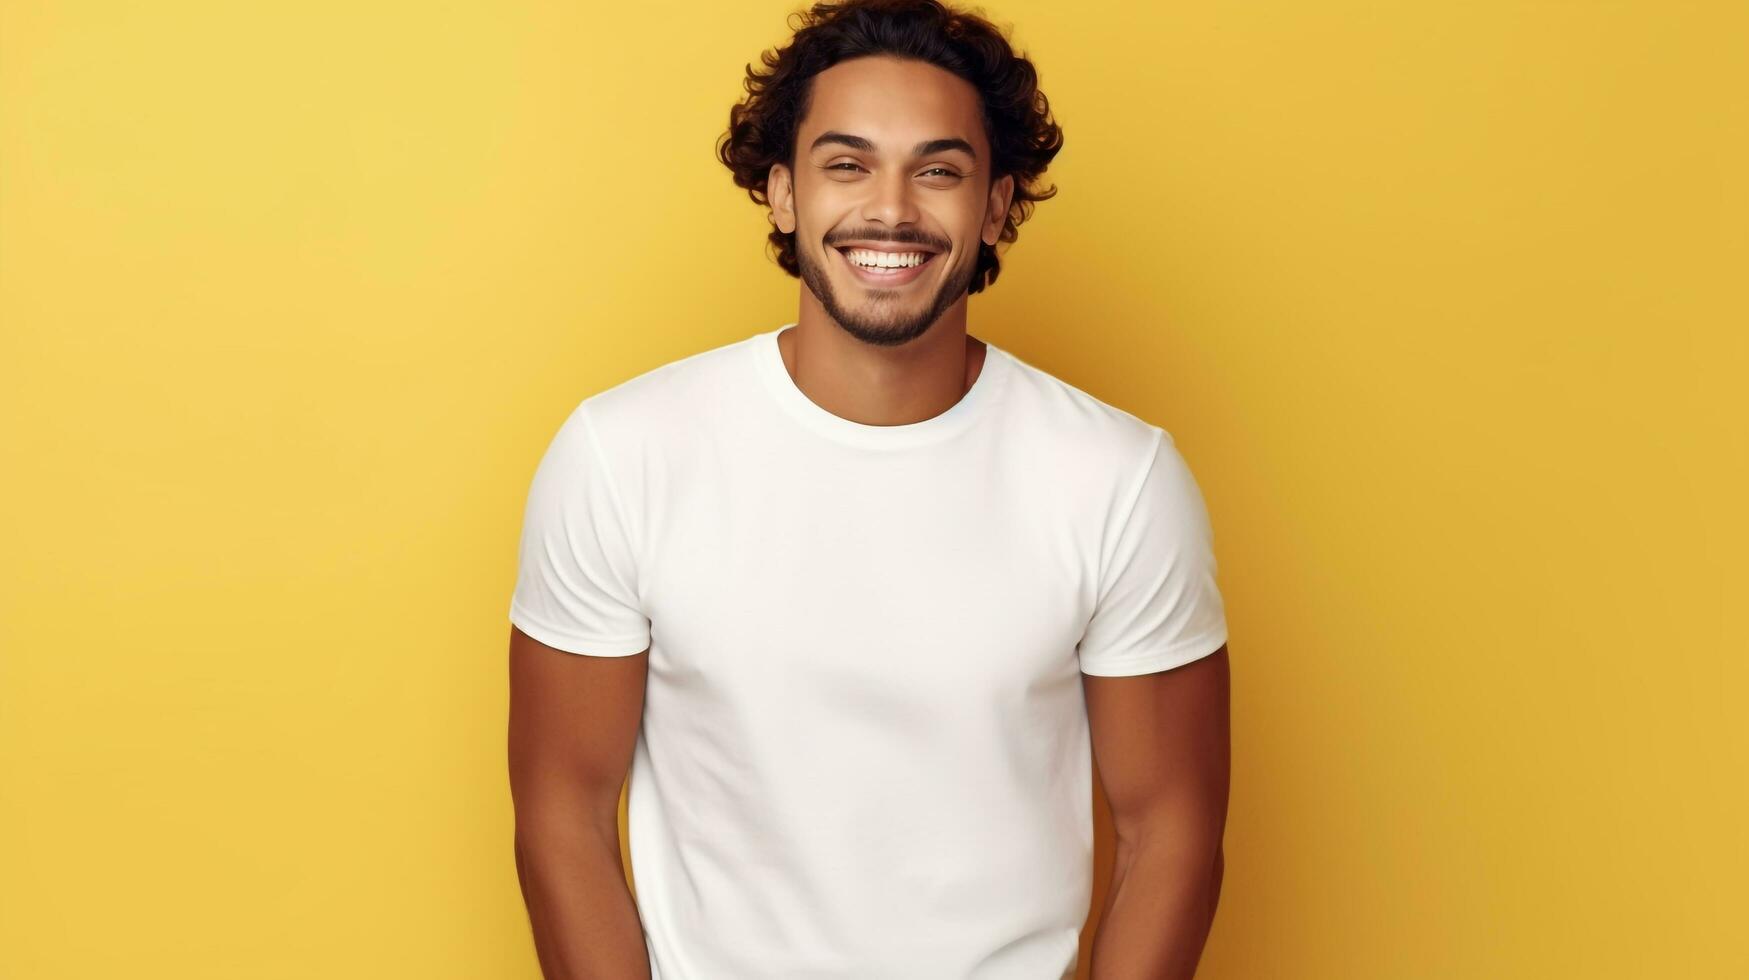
(780, 192)
(996, 213)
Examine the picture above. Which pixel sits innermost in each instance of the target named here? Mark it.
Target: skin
(573, 724)
(1161, 746)
(879, 356)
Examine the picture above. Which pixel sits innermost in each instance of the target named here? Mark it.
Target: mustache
(896, 238)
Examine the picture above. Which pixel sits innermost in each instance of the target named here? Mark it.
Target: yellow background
(1444, 304)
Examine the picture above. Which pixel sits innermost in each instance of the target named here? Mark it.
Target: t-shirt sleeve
(576, 583)
(1158, 605)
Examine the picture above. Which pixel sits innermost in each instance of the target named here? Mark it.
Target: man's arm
(573, 724)
(1161, 745)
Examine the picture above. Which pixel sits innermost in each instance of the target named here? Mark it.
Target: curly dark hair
(1017, 119)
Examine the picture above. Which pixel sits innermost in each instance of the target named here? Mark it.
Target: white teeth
(884, 260)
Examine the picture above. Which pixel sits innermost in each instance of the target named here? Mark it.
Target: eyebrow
(923, 149)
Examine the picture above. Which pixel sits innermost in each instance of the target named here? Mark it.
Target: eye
(846, 163)
(941, 170)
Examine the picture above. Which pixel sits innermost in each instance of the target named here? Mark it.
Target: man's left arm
(1161, 747)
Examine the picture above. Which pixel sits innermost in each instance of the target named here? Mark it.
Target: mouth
(882, 268)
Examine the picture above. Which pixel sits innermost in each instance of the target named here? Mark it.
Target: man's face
(891, 170)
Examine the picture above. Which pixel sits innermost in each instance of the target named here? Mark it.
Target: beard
(883, 319)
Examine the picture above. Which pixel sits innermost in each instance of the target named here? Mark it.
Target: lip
(897, 277)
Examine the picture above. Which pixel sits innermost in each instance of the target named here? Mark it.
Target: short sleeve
(576, 584)
(1158, 604)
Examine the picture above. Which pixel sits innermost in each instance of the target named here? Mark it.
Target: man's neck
(877, 385)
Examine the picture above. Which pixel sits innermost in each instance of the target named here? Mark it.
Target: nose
(890, 198)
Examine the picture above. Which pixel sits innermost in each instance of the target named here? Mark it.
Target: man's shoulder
(1072, 420)
(671, 390)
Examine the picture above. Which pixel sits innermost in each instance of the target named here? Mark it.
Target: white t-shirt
(864, 752)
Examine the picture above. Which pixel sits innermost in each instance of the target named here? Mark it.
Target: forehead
(894, 102)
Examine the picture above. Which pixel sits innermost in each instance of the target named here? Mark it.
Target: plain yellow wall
(1443, 302)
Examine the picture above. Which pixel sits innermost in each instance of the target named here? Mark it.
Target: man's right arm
(573, 725)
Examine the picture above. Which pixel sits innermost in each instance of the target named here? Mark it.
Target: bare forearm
(1157, 914)
(584, 920)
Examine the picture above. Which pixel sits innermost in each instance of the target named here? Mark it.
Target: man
(861, 599)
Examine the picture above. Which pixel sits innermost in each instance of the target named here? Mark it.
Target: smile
(881, 268)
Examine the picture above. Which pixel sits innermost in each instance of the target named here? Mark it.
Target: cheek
(821, 212)
(967, 219)
(827, 197)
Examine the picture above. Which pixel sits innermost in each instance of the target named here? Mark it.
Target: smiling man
(861, 600)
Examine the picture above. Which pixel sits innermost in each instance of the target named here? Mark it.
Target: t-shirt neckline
(796, 403)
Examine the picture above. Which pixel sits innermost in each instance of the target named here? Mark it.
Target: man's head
(894, 125)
